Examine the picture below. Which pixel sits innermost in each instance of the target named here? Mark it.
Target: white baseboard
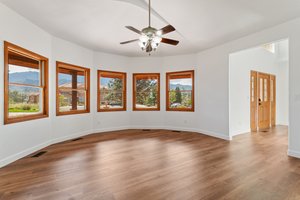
(208, 133)
(146, 127)
(15, 157)
(121, 128)
(241, 132)
(29, 151)
(216, 135)
(22, 154)
(70, 137)
(295, 154)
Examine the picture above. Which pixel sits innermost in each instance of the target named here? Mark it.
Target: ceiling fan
(150, 38)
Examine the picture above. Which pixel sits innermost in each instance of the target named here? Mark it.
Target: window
(146, 92)
(180, 91)
(111, 91)
(269, 47)
(26, 85)
(73, 89)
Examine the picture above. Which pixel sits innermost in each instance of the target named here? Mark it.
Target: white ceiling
(200, 24)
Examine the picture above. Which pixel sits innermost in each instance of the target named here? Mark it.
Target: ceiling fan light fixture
(155, 42)
(157, 39)
(144, 38)
(143, 45)
(150, 38)
(159, 33)
(154, 45)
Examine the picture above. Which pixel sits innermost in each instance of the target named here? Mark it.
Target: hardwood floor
(158, 164)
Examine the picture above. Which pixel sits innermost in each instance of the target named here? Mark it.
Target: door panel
(253, 101)
(263, 101)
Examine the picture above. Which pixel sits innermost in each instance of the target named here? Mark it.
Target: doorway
(258, 74)
(262, 101)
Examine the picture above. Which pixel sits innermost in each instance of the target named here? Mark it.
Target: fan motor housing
(149, 31)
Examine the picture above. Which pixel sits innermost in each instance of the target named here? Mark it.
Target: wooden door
(273, 99)
(253, 101)
(264, 112)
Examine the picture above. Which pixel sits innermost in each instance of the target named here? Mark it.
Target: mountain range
(32, 78)
(181, 87)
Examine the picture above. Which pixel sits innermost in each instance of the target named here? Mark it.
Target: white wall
(212, 88)
(20, 139)
(64, 127)
(240, 65)
(16, 139)
(107, 121)
(283, 94)
(217, 59)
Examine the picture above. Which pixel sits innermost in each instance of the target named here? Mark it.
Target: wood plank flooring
(157, 165)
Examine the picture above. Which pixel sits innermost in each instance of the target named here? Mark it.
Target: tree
(146, 92)
(178, 95)
(115, 86)
(172, 96)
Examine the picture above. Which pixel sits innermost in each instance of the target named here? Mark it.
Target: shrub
(26, 107)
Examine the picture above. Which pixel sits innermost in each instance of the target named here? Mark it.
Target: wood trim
(22, 51)
(274, 102)
(71, 66)
(87, 86)
(112, 74)
(180, 74)
(70, 89)
(26, 85)
(134, 76)
(20, 60)
(72, 112)
(9, 47)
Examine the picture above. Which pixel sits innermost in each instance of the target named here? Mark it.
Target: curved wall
(211, 77)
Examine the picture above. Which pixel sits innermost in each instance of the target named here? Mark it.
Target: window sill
(72, 113)
(111, 110)
(180, 110)
(146, 109)
(24, 119)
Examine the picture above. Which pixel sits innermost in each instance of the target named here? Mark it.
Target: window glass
(73, 89)
(180, 94)
(26, 84)
(111, 91)
(66, 100)
(24, 100)
(146, 96)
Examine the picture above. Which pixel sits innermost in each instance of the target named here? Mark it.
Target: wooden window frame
(168, 75)
(134, 76)
(87, 88)
(112, 74)
(9, 47)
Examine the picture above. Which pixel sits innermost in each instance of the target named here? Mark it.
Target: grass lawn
(24, 108)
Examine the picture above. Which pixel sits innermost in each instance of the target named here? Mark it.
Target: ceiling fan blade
(134, 29)
(169, 41)
(167, 29)
(129, 41)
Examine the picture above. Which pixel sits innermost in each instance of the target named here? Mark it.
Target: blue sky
(17, 69)
(186, 81)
